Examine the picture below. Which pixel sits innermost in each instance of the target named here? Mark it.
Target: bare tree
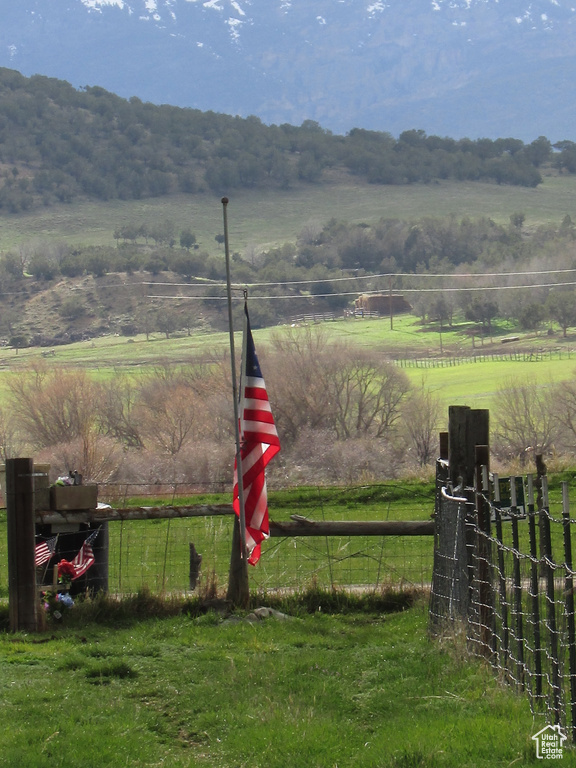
(564, 400)
(525, 422)
(421, 416)
(53, 405)
(336, 387)
(11, 440)
(117, 411)
(366, 394)
(167, 416)
(298, 378)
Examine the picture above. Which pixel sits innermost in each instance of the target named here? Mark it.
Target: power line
(256, 297)
(388, 275)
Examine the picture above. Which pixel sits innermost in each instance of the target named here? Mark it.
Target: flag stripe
(259, 419)
(256, 392)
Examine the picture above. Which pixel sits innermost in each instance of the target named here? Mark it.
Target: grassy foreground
(314, 690)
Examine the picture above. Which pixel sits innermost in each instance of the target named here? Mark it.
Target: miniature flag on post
(259, 443)
(85, 556)
(44, 551)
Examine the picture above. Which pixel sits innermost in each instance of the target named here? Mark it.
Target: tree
(188, 264)
(168, 322)
(517, 220)
(441, 310)
(482, 311)
(11, 439)
(129, 231)
(531, 316)
(299, 381)
(320, 386)
(162, 232)
(539, 151)
(72, 308)
(561, 307)
(187, 239)
(170, 410)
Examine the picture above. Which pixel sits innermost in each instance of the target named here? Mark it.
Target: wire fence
(505, 570)
(535, 356)
(156, 554)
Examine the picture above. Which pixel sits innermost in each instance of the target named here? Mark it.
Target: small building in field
(382, 303)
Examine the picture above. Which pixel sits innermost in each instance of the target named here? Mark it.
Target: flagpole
(234, 386)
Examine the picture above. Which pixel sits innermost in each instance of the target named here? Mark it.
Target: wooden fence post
(443, 440)
(467, 428)
(23, 597)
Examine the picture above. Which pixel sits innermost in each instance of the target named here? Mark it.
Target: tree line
(59, 143)
(342, 414)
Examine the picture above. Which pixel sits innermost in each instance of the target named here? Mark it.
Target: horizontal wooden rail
(352, 528)
(296, 527)
(105, 514)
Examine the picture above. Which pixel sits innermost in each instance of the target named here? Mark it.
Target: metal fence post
(534, 588)
(519, 627)
(569, 592)
(504, 630)
(550, 600)
(484, 552)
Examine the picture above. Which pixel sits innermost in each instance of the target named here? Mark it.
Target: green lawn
(317, 690)
(476, 384)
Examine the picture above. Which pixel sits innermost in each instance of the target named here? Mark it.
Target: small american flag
(44, 551)
(85, 557)
(259, 443)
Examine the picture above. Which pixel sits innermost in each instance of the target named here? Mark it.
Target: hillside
(86, 269)
(59, 144)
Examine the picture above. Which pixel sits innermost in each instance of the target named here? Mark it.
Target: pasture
(265, 219)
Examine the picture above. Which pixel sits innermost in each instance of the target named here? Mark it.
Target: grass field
(314, 691)
(265, 218)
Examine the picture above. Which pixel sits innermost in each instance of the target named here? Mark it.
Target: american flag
(85, 556)
(44, 551)
(259, 443)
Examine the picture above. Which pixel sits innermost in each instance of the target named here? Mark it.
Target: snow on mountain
(453, 67)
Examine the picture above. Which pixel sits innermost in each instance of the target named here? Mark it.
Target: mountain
(450, 67)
